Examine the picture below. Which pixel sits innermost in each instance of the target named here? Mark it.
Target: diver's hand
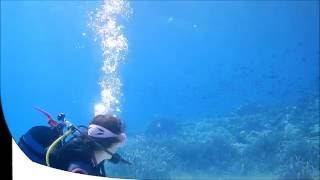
(116, 158)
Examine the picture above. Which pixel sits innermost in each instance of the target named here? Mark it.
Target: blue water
(186, 60)
(209, 59)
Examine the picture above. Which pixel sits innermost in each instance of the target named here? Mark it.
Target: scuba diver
(75, 149)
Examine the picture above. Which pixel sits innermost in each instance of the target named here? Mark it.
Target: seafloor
(254, 142)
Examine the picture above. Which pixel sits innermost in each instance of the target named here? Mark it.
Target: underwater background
(210, 89)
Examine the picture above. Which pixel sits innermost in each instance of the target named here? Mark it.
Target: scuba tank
(35, 142)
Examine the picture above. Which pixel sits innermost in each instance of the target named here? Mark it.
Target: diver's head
(107, 131)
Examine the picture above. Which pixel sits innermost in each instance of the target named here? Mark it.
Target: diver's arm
(81, 168)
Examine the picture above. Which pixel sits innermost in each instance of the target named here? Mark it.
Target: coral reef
(280, 141)
(149, 161)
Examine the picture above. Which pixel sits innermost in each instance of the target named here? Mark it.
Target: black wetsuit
(77, 156)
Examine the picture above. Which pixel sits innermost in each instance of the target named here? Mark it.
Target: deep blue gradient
(186, 60)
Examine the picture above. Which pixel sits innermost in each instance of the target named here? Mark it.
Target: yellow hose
(51, 147)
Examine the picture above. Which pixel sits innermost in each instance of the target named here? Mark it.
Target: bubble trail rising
(114, 45)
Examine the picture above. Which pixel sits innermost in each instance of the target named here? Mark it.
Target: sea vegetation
(278, 142)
